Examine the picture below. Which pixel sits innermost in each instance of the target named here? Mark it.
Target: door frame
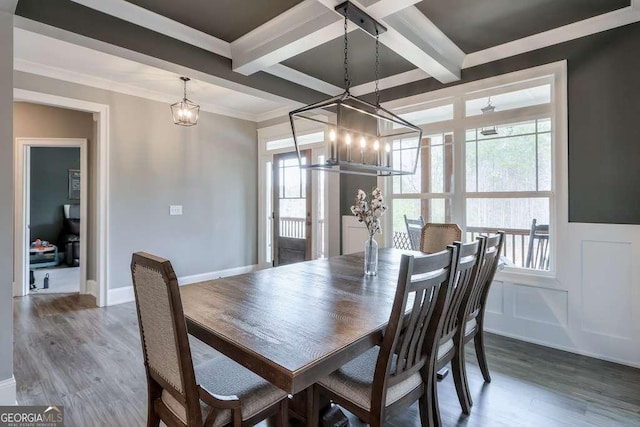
(100, 216)
(275, 203)
(332, 185)
(23, 206)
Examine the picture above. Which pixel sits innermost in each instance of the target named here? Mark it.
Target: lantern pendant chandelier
(489, 130)
(185, 112)
(361, 138)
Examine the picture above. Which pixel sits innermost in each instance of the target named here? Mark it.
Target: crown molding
(576, 30)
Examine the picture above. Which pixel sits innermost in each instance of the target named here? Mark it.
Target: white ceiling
(39, 54)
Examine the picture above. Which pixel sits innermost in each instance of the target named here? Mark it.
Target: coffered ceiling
(293, 49)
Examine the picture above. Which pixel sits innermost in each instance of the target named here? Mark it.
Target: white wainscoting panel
(607, 288)
(495, 300)
(541, 305)
(590, 307)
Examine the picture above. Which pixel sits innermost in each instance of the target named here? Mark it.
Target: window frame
(553, 74)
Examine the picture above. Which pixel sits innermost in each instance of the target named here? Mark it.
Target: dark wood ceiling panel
(326, 62)
(480, 24)
(224, 19)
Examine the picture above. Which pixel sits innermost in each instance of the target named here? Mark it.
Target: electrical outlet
(175, 210)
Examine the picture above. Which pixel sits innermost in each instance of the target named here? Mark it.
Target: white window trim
(555, 74)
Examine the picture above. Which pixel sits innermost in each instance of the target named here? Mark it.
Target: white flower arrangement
(369, 213)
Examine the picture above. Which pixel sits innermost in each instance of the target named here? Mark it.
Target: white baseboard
(93, 288)
(8, 392)
(125, 294)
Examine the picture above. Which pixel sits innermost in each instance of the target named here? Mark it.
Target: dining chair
(471, 315)
(414, 231)
(215, 393)
(436, 237)
(393, 375)
(538, 249)
(466, 268)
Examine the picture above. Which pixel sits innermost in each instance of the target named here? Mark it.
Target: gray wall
(50, 189)
(210, 169)
(6, 197)
(41, 121)
(604, 107)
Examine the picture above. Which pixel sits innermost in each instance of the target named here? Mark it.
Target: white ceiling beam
(413, 36)
(596, 24)
(303, 79)
(84, 41)
(152, 21)
(8, 6)
(301, 28)
(389, 82)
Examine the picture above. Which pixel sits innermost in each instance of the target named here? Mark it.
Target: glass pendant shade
(185, 112)
(360, 137)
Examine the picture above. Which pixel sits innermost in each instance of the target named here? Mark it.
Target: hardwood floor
(89, 360)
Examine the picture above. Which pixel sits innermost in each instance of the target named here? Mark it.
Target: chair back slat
(423, 282)
(163, 332)
(491, 250)
(436, 237)
(538, 249)
(414, 231)
(466, 273)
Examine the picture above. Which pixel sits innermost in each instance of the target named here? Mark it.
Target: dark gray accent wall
(82, 20)
(49, 189)
(604, 107)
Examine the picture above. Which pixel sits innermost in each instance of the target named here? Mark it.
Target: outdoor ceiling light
(185, 112)
(361, 137)
(491, 130)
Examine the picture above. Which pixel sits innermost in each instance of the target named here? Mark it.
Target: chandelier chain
(377, 67)
(347, 77)
(185, 89)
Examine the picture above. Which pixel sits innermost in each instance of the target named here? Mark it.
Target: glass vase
(371, 257)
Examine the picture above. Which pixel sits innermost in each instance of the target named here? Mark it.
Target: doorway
(51, 254)
(292, 231)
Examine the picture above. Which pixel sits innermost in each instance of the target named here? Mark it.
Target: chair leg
(460, 379)
(435, 409)
(478, 342)
(154, 391)
(423, 405)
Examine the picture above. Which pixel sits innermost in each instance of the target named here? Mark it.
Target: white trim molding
(152, 21)
(8, 392)
(101, 113)
(596, 24)
(125, 294)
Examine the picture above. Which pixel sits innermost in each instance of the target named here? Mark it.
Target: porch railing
(515, 247)
(292, 227)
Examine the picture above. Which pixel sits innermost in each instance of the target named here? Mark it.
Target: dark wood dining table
(294, 324)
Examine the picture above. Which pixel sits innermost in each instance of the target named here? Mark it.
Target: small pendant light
(185, 112)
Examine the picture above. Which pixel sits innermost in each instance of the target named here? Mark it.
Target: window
(483, 181)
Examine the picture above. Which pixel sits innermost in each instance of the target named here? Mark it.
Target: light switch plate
(175, 210)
